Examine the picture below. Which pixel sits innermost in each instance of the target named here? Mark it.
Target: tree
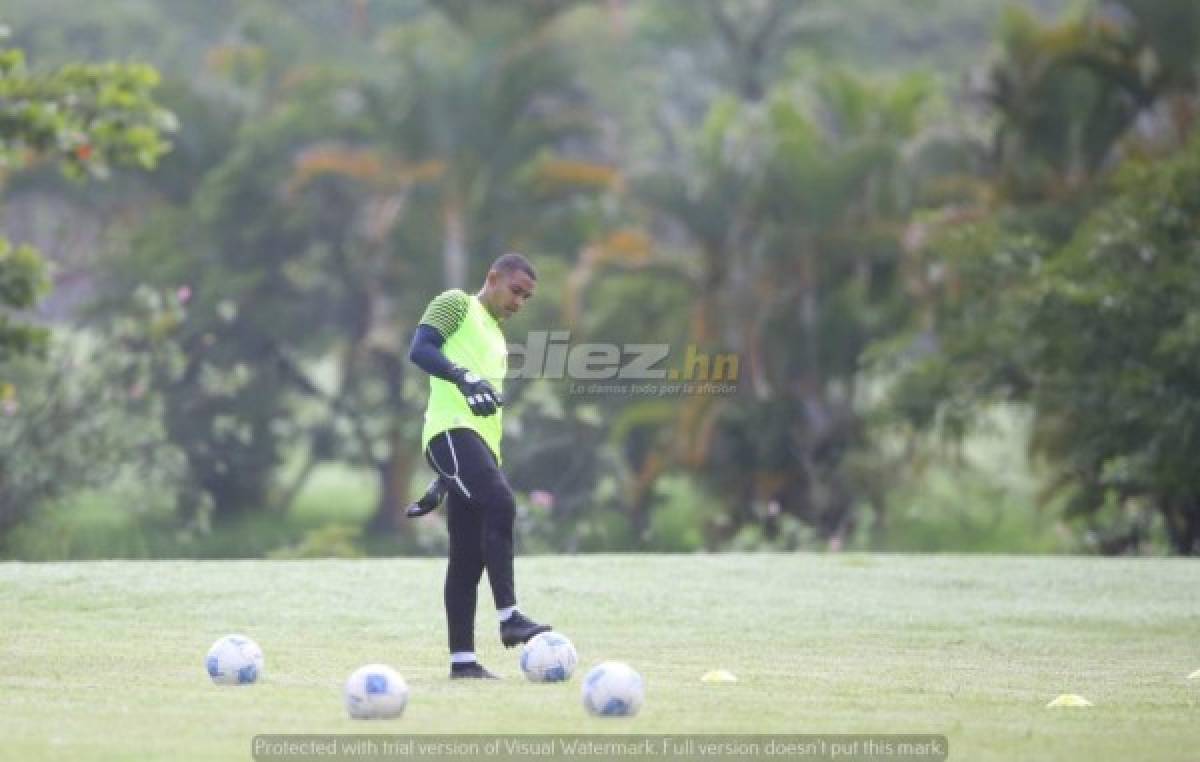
(1098, 336)
(1014, 274)
(483, 90)
(68, 423)
(239, 272)
(84, 117)
(740, 45)
(1067, 95)
(793, 207)
(484, 99)
(311, 248)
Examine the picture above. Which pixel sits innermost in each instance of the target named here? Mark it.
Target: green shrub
(680, 515)
(329, 541)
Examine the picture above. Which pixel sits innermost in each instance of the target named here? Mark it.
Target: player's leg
(481, 475)
(463, 570)
(498, 526)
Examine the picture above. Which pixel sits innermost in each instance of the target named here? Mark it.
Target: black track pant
(480, 512)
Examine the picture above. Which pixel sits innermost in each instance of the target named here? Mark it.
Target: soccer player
(460, 345)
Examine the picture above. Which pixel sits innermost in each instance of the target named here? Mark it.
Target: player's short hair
(513, 262)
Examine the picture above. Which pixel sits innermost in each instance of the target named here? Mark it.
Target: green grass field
(105, 660)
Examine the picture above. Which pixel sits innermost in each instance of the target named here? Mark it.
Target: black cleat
(427, 503)
(472, 671)
(519, 628)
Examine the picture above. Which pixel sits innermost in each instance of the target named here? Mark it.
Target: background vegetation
(953, 243)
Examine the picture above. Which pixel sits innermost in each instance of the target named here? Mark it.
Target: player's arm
(442, 318)
(426, 353)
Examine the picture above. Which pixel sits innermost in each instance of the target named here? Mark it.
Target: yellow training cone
(1195, 675)
(1068, 699)
(718, 676)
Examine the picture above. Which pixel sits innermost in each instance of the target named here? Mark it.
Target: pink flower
(542, 499)
(9, 407)
(183, 294)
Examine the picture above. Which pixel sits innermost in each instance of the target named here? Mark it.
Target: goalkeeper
(460, 345)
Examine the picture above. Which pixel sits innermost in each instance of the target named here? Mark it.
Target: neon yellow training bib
(474, 341)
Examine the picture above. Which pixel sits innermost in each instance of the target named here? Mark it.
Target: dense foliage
(893, 228)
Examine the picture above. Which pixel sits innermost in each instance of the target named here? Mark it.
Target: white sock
(462, 657)
(504, 614)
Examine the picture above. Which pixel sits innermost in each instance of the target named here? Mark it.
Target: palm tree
(484, 97)
(484, 90)
(795, 208)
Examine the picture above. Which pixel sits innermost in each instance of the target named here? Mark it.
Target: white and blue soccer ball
(613, 689)
(234, 660)
(548, 658)
(376, 692)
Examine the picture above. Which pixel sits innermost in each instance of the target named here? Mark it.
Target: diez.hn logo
(550, 355)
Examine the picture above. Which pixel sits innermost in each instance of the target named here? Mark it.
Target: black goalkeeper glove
(482, 397)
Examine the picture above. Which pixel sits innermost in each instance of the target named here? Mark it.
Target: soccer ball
(234, 660)
(548, 658)
(376, 692)
(613, 689)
